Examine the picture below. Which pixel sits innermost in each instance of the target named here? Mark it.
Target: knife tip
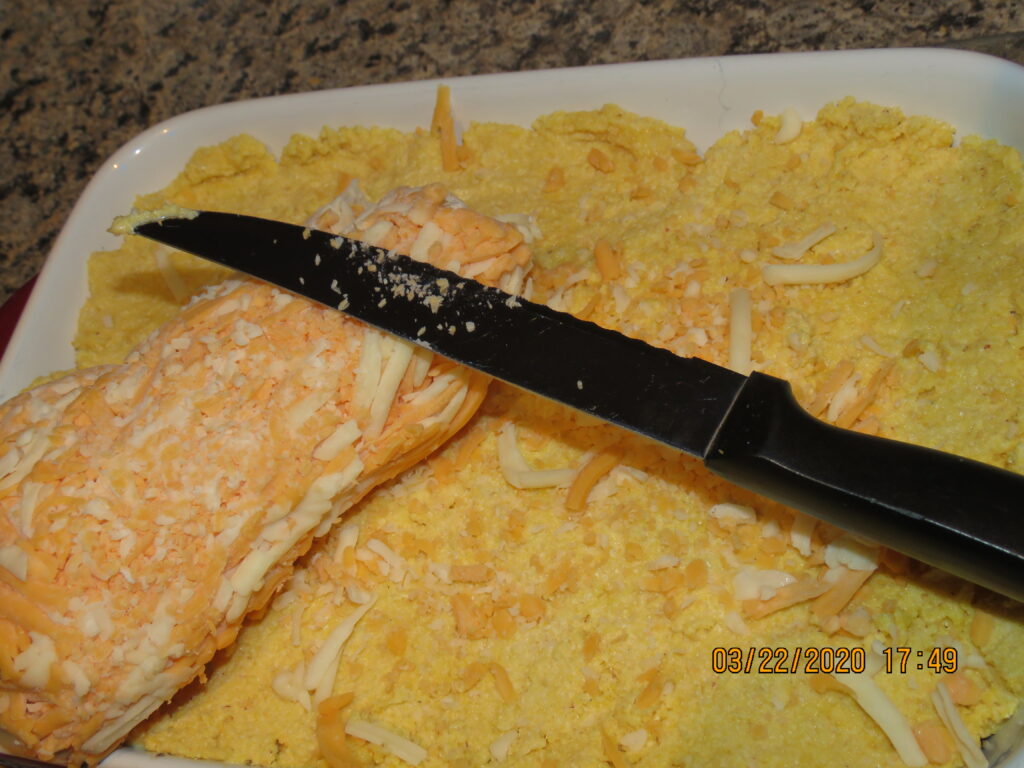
(129, 223)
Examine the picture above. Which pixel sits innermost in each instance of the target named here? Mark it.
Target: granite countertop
(77, 80)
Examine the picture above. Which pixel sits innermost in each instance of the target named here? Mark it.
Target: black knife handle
(959, 515)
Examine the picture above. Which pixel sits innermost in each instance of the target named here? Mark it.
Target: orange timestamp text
(763, 660)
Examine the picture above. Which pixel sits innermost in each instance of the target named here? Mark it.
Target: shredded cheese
(797, 250)
(634, 741)
(588, 476)
(753, 584)
(851, 553)
(519, 473)
(740, 331)
(15, 560)
(444, 127)
(880, 708)
(175, 283)
(736, 513)
(790, 126)
(607, 260)
(808, 274)
(499, 748)
(399, 746)
(34, 662)
(966, 744)
(332, 647)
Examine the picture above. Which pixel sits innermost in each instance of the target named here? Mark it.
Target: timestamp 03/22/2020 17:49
(764, 660)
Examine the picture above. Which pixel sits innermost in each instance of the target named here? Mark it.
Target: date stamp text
(763, 660)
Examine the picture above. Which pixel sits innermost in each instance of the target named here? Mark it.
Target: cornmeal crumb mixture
(548, 590)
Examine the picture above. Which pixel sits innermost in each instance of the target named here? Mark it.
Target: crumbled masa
(596, 644)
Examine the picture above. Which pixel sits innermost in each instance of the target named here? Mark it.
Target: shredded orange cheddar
(612, 752)
(473, 674)
(696, 574)
(600, 161)
(792, 594)
(836, 379)
(503, 623)
(589, 475)
(397, 642)
(502, 682)
(935, 741)
(982, 625)
(782, 200)
(555, 180)
(470, 619)
(531, 607)
(330, 731)
(649, 696)
(607, 260)
(962, 689)
(821, 683)
(856, 408)
(443, 125)
(686, 157)
(477, 573)
(831, 602)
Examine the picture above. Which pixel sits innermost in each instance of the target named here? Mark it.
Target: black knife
(959, 515)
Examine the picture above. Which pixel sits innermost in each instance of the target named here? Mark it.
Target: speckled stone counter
(79, 79)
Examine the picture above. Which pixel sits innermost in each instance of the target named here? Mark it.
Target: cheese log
(147, 508)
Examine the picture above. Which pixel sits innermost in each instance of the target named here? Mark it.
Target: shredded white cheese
(844, 396)
(848, 552)
(965, 743)
(332, 445)
(500, 746)
(880, 708)
(175, 283)
(753, 584)
(35, 661)
(332, 647)
(735, 623)
(288, 685)
(930, 359)
(800, 533)
(634, 741)
(387, 386)
(740, 331)
(368, 371)
(400, 747)
(15, 560)
(796, 250)
(790, 126)
(813, 274)
(870, 342)
(524, 222)
(734, 512)
(665, 561)
(396, 563)
(518, 473)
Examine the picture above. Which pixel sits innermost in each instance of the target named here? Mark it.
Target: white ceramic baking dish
(977, 94)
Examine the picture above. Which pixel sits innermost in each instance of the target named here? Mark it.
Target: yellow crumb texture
(575, 623)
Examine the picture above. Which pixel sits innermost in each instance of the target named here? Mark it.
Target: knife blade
(959, 515)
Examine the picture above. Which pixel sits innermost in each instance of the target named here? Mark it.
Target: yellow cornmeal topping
(538, 634)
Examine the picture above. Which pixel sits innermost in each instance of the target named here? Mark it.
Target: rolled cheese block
(147, 508)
